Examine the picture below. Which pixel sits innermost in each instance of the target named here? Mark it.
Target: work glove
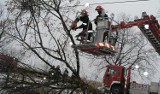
(76, 28)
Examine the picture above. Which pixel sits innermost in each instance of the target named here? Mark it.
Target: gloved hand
(76, 28)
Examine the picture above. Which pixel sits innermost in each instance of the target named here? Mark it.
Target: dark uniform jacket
(96, 20)
(86, 24)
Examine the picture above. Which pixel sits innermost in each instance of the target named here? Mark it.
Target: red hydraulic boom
(149, 27)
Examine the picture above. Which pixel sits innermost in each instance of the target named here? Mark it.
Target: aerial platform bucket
(96, 49)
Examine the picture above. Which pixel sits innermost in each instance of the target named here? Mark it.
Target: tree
(42, 26)
(34, 23)
(4, 39)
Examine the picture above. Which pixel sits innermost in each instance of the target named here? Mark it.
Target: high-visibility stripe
(106, 45)
(97, 44)
(114, 49)
(101, 44)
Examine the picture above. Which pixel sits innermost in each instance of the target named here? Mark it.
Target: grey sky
(151, 7)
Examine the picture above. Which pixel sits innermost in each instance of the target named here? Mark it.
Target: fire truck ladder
(149, 27)
(152, 33)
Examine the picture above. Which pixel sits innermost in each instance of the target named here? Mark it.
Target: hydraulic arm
(149, 27)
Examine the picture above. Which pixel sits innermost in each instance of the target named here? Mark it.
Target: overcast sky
(133, 8)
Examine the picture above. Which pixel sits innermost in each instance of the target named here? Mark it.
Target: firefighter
(101, 13)
(65, 75)
(57, 74)
(86, 24)
(52, 72)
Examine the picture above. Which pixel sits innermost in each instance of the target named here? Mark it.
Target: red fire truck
(117, 78)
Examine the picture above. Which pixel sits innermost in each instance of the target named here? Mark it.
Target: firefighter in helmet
(101, 13)
(86, 24)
